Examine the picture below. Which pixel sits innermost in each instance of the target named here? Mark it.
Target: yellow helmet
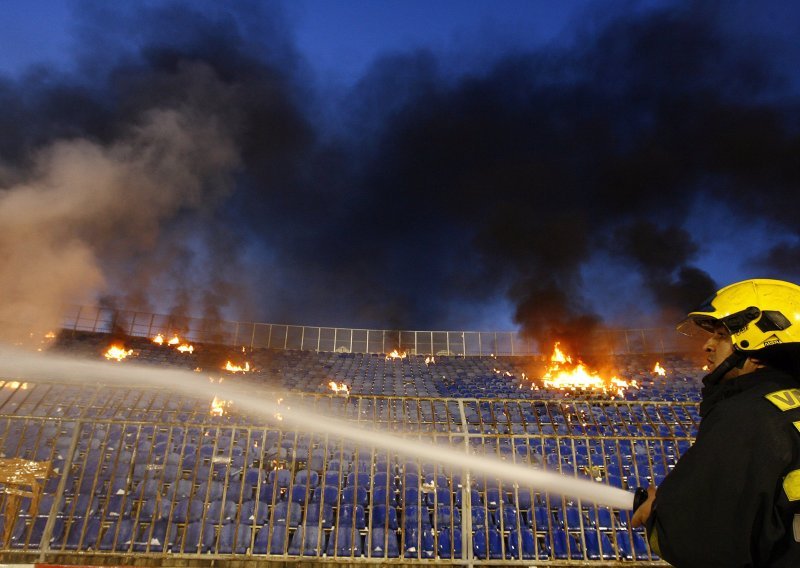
(758, 313)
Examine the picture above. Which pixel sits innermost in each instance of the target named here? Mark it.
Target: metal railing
(351, 340)
(122, 487)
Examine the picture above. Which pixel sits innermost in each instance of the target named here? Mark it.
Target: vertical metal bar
(302, 337)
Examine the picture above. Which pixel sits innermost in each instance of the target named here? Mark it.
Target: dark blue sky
(418, 164)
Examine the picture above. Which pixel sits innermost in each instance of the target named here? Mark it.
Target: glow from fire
(396, 355)
(339, 388)
(175, 340)
(430, 360)
(659, 370)
(562, 374)
(236, 368)
(158, 339)
(117, 353)
(16, 385)
(186, 348)
(218, 406)
(49, 335)
(705, 367)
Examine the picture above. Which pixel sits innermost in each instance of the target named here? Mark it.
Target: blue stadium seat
(287, 512)
(383, 543)
(317, 513)
(598, 547)
(328, 494)
(234, 538)
(383, 516)
(449, 546)
(277, 538)
(528, 545)
(418, 544)
(565, 546)
(306, 541)
(344, 541)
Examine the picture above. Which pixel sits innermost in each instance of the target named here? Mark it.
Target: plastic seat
(449, 547)
(418, 544)
(414, 517)
(528, 545)
(118, 536)
(383, 496)
(282, 477)
(198, 537)
(355, 495)
(327, 494)
(383, 543)
(210, 490)
(352, 515)
(344, 541)
(277, 538)
(384, 517)
(565, 546)
(299, 493)
(598, 548)
(306, 477)
(317, 513)
(220, 512)
(234, 538)
(447, 516)
(188, 511)
(306, 541)
(286, 512)
(478, 517)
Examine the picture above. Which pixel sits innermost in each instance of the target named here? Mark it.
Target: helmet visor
(698, 325)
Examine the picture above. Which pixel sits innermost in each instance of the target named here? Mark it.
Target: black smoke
(431, 192)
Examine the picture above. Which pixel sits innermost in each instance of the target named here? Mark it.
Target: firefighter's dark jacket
(732, 499)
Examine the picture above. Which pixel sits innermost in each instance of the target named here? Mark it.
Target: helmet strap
(734, 360)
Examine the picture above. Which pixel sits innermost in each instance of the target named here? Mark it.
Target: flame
(117, 353)
(396, 355)
(705, 367)
(558, 356)
(158, 339)
(563, 375)
(339, 388)
(429, 360)
(218, 406)
(186, 348)
(49, 335)
(236, 368)
(659, 370)
(16, 385)
(175, 340)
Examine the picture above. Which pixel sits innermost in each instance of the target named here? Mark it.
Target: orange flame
(186, 348)
(158, 339)
(563, 375)
(175, 340)
(218, 406)
(339, 388)
(16, 385)
(429, 360)
(396, 355)
(117, 353)
(659, 370)
(236, 368)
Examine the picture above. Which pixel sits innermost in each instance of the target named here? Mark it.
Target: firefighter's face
(718, 347)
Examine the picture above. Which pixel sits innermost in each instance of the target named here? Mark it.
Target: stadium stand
(139, 473)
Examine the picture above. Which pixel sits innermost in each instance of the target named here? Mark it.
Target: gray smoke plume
(192, 165)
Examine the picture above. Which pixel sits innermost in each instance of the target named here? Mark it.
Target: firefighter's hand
(643, 512)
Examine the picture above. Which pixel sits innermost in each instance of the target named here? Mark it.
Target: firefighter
(733, 499)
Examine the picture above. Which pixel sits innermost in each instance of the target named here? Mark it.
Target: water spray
(21, 365)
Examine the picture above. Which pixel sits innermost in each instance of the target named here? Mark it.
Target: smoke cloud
(200, 170)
